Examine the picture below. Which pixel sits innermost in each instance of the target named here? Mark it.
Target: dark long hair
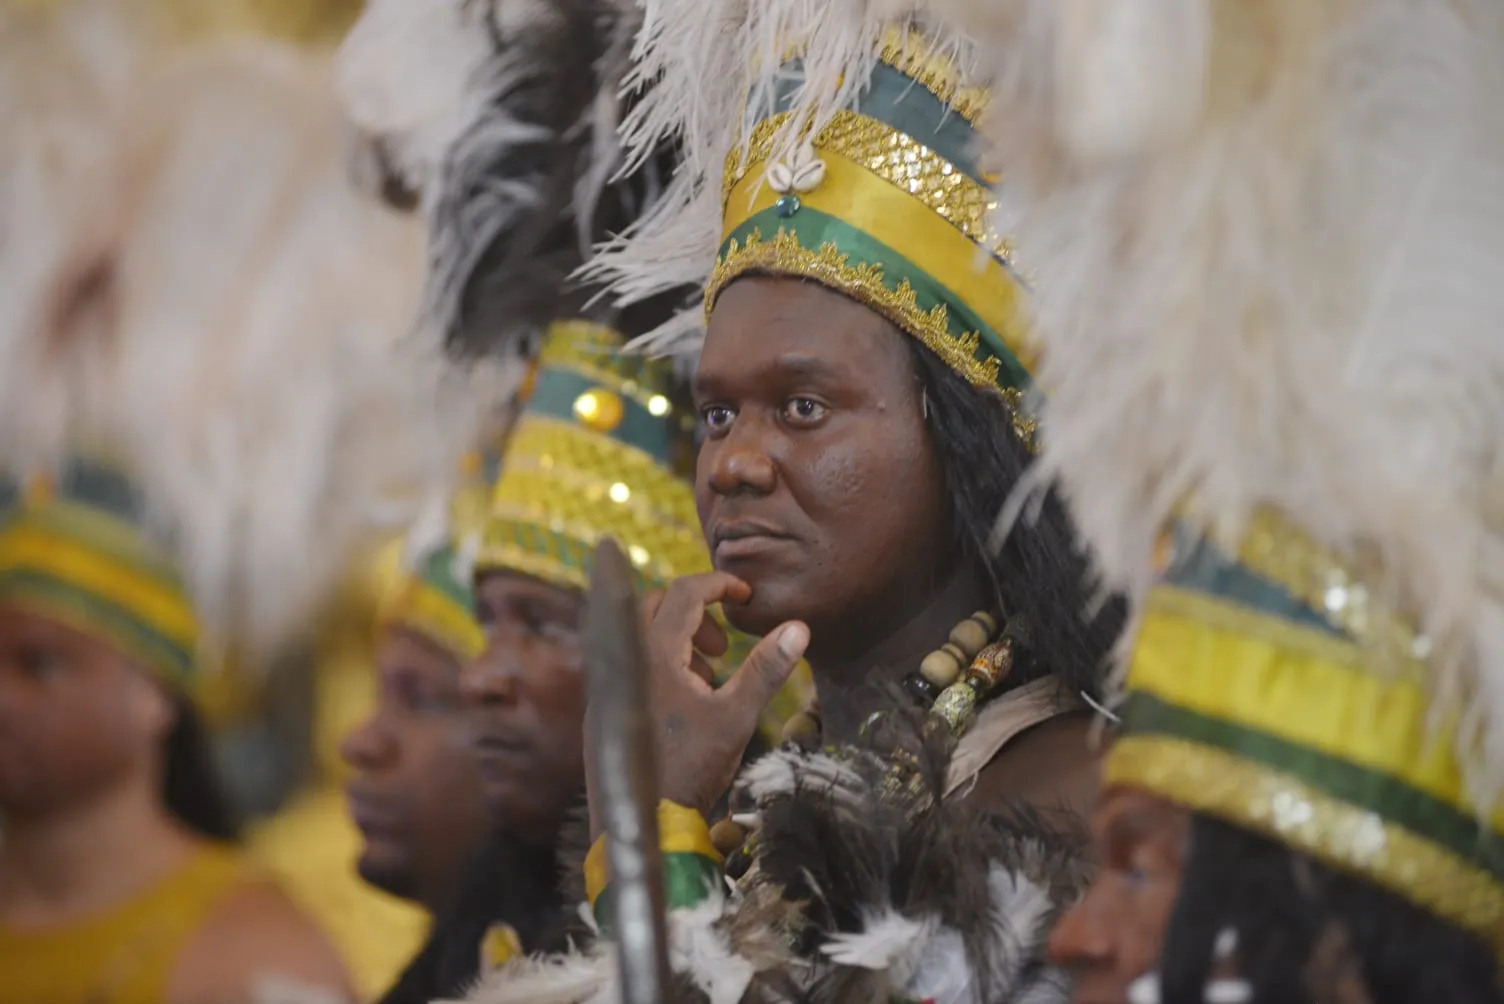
(191, 785)
(1041, 573)
(1282, 904)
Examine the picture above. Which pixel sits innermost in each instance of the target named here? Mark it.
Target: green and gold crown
(853, 165)
(887, 204)
(436, 600)
(1271, 688)
(75, 548)
(598, 451)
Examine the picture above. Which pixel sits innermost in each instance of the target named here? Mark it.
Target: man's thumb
(769, 666)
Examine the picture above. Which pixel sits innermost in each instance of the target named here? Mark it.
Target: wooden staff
(626, 775)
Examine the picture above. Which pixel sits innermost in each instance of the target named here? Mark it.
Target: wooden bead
(803, 726)
(970, 636)
(727, 837)
(989, 622)
(941, 668)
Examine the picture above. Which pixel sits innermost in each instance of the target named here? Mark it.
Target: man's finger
(711, 637)
(684, 603)
(767, 669)
(702, 669)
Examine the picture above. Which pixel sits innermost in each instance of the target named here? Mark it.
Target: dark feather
(532, 184)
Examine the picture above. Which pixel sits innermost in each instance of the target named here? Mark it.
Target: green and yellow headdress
(1272, 688)
(599, 450)
(436, 599)
(76, 549)
(826, 142)
(1268, 316)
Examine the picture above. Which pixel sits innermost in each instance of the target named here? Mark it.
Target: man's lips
(372, 816)
(492, 748)
(744, 539)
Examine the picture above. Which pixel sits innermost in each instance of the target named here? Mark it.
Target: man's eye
(804, 411)
(40, 663)
(717, 416)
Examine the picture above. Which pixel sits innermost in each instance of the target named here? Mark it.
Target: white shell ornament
(804, 173)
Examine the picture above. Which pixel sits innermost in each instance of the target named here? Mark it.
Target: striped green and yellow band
(438, 602)
(896, 214)
(1251, 699)
(76, 550)
(599, 451)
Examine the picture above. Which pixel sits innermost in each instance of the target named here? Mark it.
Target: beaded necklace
(951, 695)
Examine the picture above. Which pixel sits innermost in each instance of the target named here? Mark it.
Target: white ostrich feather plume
(227, 319)
(701, 65)
(1284, 292)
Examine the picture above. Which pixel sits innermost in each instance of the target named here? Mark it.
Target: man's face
(415, 795)
(76, 717)
(1115, 934)
(526, 702)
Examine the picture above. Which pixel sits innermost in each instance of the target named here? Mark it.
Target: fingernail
(792, 642)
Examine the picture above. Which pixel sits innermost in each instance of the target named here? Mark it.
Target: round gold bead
(801, 726)
(970, 636)
(940, 667)
(599, 409)
(727, 837)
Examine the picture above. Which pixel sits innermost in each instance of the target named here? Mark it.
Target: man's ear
(151, 706)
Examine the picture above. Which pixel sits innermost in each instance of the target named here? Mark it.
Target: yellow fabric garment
(125, 955)
(310, 848)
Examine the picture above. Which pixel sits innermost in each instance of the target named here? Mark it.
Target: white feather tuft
(697, 949)
(887, 940)
(1131, 73)
(1289, 301)
(231, 321)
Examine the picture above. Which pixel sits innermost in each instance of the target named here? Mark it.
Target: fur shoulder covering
(851, 893)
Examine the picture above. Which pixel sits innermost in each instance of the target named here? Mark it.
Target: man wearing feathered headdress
(862, 394)
(1269, 239)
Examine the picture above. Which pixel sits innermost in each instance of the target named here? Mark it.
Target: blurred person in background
(415, 791)
(120, 879)
(202, 391)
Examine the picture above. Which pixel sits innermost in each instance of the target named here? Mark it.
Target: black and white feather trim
(500, 117)
(852, 895)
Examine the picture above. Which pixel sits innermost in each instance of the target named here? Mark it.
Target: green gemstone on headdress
(788, 206)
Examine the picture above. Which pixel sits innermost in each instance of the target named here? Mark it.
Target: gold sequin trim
(829, 266)
(1276, 549)
(910, 53)
(1337, 833)
(895, 157)
(595, 352)
(586, 486)
(545, 564)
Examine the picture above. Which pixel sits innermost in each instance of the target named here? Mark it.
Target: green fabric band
(1396, 801)
(688, 880)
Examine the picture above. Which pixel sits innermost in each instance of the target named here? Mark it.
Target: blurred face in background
(77, 719)
(525, 699)
(415, 794)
